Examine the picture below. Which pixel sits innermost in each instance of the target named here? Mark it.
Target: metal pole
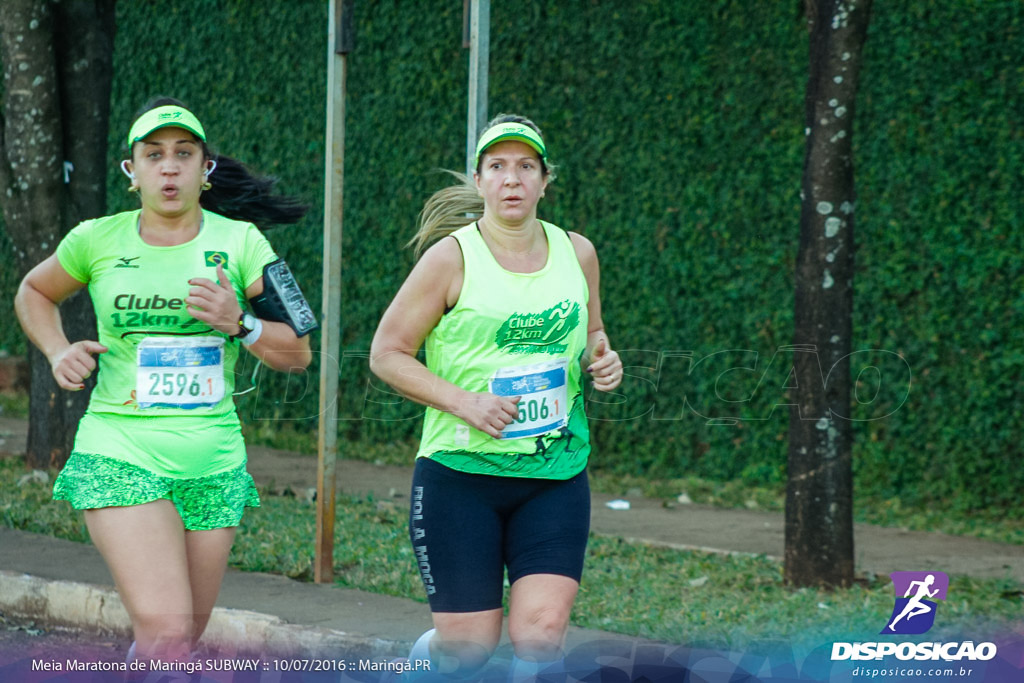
(479, 56)
(339, 43)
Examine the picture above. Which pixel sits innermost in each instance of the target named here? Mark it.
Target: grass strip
(998, 525)
(699, 599)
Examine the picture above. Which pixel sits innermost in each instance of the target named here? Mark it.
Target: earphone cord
(252, 380)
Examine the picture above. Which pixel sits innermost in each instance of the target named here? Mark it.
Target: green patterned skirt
(211, 502)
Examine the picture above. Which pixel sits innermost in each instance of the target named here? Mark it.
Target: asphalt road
(23, 641)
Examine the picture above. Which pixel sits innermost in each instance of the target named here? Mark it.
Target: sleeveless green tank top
(514, 334)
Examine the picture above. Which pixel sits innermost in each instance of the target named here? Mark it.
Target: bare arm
(432, 287)
(36, 305)
(600, 360)
(278, 347)
(216, 304)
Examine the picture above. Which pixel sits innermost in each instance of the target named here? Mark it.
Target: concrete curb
(231, 631)
(63, 603)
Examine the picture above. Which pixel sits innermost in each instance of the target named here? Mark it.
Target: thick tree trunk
(58, 61)
(32, 143)
(85, 67)
(819, 493)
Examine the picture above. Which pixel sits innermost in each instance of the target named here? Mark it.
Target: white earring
(131, 176)
(206, 175)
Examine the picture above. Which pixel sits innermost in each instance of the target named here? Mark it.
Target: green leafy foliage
(678, 131)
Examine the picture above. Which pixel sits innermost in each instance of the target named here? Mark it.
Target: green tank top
(514, 334)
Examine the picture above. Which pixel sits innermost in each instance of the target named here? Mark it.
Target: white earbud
(213, 167)
(124, 169)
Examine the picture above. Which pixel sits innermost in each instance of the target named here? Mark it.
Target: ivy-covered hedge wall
(678, 132)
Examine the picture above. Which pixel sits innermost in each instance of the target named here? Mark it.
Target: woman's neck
(168, 231)
(520, 248)
(520, 238)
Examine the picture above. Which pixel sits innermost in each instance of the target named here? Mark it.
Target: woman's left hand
(605, 367)
(214, 303)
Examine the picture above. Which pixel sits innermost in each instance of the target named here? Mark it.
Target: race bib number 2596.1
(180, 372)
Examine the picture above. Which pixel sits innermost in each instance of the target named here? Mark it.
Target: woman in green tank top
(510, 312)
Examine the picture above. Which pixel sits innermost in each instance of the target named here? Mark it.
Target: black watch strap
(242, 329)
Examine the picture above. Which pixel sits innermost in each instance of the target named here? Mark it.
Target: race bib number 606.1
(543, 396)
(180, 372)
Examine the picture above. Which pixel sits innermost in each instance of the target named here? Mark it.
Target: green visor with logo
(511, 131)
(164, 117)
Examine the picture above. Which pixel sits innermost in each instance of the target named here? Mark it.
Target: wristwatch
(246, 324)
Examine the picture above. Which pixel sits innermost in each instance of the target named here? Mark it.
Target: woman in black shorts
(509, 309)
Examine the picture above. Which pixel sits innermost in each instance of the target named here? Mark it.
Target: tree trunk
(58, 63)
(819, 492)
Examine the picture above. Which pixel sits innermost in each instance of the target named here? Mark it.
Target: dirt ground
(878, 550)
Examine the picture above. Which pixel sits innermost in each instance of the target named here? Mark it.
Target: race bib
(544, 391)
(180, 372)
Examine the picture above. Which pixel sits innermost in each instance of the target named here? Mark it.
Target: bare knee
(539, 633)
(463, 643)
(163, 636)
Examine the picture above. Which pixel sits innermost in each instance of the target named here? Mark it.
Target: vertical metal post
(339, 43)
(479, 58)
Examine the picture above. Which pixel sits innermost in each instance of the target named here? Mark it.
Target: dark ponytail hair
(236, 192)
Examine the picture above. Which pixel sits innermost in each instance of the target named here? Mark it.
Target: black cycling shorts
(466, 528)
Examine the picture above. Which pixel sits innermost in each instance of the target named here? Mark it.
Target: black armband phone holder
(282, 300)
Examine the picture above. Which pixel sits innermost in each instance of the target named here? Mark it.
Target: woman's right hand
(75, 363)
(487, 412)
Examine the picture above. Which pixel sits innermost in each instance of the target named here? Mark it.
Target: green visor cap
(164, 117)
(511, 131)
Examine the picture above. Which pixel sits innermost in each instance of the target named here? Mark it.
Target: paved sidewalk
(65, 583)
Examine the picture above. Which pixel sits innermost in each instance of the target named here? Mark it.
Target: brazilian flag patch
(213, 258)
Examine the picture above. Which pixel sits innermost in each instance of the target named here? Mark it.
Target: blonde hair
(455, 206)
(447, 210)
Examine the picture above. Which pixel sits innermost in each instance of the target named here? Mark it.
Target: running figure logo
(914, 612)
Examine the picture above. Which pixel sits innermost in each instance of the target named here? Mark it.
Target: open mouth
(169, 191)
